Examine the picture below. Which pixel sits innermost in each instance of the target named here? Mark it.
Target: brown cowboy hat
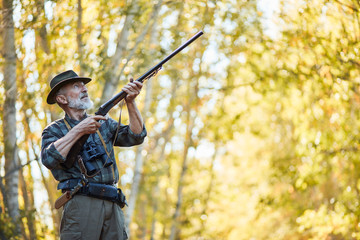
(60, 80)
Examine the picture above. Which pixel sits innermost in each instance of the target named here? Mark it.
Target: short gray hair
(61, 91)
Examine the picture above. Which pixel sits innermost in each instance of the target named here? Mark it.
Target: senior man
(94, 211)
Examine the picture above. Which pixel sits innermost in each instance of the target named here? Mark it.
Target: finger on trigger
(99, 117)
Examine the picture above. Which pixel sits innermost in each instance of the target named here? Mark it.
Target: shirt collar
(73, 121)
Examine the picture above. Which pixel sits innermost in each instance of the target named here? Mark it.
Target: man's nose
(84, 89)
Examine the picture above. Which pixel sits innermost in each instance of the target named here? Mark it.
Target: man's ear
(61, 99)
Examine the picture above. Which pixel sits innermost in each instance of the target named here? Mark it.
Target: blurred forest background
(253, 130)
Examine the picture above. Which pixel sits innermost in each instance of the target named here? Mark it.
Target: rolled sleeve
(128, 138)
(50, 156)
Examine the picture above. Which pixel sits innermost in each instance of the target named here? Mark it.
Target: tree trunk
(188, 143)
(26, 203)
(9, 114)
(79, 38)
(138, 163)
(140, 38)
(51, 190)
(41, 31)
(143, 226)
(156, 190)
(134, 186)
(27, 186)
(139, 159)
(3, 193)
(166, 135)
(32, 219)
(192, 99)
(123, 38)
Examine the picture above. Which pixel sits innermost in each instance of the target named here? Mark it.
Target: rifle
(107, 106)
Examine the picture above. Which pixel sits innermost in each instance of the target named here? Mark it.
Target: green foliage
(7, 227)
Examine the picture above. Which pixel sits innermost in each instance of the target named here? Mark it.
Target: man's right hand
(89, 125)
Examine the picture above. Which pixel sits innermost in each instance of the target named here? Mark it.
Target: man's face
(77, 95)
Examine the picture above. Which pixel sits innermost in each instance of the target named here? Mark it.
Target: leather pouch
(64, 198)
(102, 191)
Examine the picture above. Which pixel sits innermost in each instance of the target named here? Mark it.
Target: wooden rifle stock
(107, 106)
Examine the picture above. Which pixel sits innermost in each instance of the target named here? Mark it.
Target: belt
(68, 184)
(96, 190)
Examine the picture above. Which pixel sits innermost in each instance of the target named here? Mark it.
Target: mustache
(82, 95)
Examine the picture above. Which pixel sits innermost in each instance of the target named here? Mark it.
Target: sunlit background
(253, 130)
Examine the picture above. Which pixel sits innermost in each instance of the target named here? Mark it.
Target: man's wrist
(77, 131)
(131, 103)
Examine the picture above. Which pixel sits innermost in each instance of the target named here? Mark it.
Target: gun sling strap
(80, 160)
(83, 187)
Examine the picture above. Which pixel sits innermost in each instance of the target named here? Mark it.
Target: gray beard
(80, 104)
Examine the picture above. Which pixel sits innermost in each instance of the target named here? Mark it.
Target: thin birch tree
(9, 114)
(111, 81)
(139, 158)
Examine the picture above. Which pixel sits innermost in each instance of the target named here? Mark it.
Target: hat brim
(51, 96)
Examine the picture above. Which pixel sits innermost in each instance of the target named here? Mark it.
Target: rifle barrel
(188, 42)
(105, 108)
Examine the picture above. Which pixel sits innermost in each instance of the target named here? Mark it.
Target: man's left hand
(132, 89)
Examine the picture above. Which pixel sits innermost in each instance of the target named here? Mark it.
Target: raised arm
(135, 120)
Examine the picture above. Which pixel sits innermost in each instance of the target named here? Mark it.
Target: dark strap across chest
(81, 162)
